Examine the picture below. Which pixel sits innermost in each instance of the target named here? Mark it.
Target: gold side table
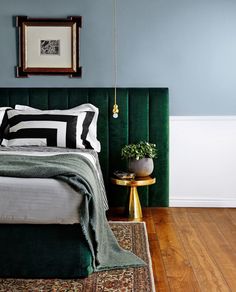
(135, 210)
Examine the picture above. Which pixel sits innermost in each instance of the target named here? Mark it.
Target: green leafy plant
(139, 150)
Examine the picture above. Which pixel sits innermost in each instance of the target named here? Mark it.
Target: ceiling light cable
(115, 109)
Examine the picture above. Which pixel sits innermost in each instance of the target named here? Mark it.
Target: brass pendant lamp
(115, 110)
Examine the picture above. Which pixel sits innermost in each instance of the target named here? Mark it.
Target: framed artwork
(48, 46)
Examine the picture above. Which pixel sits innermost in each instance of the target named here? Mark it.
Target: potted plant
(140, 157)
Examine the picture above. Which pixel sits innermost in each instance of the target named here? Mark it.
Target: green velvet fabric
(143, 116)
(44, 251)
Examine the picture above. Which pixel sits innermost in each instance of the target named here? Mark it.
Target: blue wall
(186, 45)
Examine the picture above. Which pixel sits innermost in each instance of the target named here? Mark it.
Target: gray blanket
(78, 172)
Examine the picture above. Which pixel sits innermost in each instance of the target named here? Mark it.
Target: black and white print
(42, 129)
(50, 47)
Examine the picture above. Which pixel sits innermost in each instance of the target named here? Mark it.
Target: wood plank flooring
(192, 249)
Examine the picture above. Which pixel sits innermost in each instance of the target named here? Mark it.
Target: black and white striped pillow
(57, 128)
(3, 121)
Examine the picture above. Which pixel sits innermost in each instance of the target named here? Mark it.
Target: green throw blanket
(80, 174)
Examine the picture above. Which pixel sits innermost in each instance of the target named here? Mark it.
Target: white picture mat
(34, 34)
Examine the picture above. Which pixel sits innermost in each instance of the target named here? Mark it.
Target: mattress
(40, 200)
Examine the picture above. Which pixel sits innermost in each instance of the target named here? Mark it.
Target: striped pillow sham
(3, 121)
(71, 128)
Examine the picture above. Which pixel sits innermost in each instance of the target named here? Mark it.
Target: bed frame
(44, 251)
(25, 250)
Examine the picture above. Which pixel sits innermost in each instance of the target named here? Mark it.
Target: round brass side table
(135, 210)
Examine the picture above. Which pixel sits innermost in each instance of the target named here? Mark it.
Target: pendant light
(115, 110)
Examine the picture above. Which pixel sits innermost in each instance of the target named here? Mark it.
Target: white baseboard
(209, 203)
(203, 161)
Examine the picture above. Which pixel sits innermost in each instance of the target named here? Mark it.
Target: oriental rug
(131, 236)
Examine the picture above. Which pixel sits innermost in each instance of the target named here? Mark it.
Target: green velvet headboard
(143, 116)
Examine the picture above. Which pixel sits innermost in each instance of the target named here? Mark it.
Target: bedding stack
(52, 196)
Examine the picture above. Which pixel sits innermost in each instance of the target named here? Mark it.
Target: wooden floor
(192, 249)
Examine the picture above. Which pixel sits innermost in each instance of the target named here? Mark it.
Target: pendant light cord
(115, 107)
(115, 46)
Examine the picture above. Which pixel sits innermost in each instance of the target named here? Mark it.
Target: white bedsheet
(38, 200)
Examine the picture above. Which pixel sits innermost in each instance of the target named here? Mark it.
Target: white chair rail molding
(203, 161)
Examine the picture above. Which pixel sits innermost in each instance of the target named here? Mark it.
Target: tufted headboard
(143, 116)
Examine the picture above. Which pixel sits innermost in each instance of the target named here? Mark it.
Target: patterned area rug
(131, 236)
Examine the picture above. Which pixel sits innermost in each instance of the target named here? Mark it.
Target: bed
(48, 234)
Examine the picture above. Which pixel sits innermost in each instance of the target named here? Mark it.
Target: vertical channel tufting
(77, 96)
(119, 136)
(139, 125)
(138, 113)
(58, 98)
(159, 130)
(4, 97)
(99, 98)
(39, 98)
(19, 96)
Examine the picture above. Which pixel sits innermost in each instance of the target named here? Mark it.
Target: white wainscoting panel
(203, 161)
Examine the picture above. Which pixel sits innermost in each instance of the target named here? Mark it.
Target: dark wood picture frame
(48, 46)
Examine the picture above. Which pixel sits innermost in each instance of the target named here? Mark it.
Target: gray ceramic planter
(142, 167)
